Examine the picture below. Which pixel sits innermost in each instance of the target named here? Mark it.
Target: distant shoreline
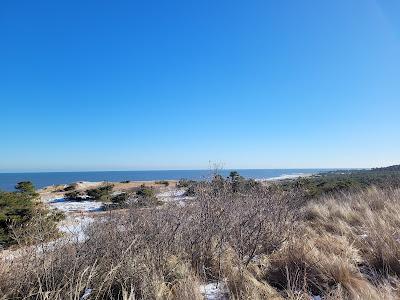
(40, 180)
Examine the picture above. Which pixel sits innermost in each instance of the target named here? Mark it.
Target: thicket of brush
(18, 209)
(259, 242)
(346, 181)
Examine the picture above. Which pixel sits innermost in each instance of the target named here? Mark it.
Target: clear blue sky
(116, 85)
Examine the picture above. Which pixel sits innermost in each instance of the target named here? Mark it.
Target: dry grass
(347, 247)
(261, 244)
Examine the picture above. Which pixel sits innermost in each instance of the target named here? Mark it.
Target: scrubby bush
(120, 198)
(191, 191)
(163, 252)
(74, 196)
(345, 181)
(145, 192)
(163, 182)
(26, 187)
(17, 210)
(102, 193)
(146, 197)
(147, 202)
(184, 183)
(119, 201)
(71, 187)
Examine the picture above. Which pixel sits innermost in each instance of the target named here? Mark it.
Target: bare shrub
(164, 252)
(258, 242)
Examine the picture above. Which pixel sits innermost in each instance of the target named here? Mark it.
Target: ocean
(42, 179)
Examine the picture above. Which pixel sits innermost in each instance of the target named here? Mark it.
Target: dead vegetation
(259, 242)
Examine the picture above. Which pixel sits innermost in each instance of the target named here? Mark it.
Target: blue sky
(124, 85)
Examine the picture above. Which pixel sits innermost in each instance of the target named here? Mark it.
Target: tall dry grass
(346, 247)
(259, 243)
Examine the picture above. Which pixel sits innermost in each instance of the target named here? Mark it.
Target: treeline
(395, 168)
(345, 181)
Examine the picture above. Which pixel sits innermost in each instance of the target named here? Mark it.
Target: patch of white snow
(74, 227)
(75, 206)
(177, 195)
(86, 295)
(213, 291)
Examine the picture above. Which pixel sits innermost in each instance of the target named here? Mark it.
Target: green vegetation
(118, 201)
(71, 187)
(345, 181)
(120, 198)
(145, 192)
(184, 183)
(146, 197)
(147, 202)
(26, 187)
(74, 196)
(395, 168)
(17, 213)
(164, 182)
(16, 208)
(102, 193)
(234, 182)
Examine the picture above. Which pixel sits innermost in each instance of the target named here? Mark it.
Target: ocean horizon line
(162, 170)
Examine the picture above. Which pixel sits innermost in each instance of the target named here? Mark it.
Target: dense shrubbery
(258, 242)
(145, 192)
(17, 210)
(146, 197)
(235, 183)
(102, 193)
(119, 201)
(74, 196)
(184, 183)
(395, 168)
(163, 252)
(26, 187)
(344, 181)
(163, 182)
(146, 202)
(120, 198)
(71, 187)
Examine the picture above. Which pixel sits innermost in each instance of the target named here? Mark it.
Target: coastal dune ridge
(43, 179)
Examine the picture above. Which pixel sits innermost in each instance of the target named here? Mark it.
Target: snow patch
(177, 195)
(214, 291)
(74, 227)
(74, 206)
(86, 295)
(173, 193)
